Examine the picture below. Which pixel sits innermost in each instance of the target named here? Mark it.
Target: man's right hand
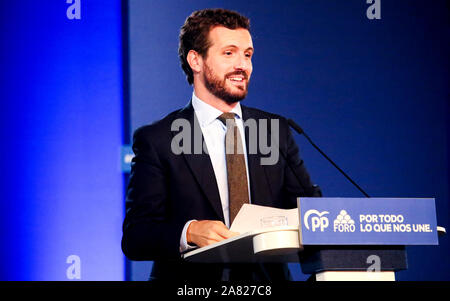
(206, 232)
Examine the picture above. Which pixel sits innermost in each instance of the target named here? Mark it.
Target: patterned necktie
(236, 170)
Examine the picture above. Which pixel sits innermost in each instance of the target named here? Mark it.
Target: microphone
(300, 131)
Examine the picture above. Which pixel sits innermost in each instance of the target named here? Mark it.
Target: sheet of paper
(254, 217)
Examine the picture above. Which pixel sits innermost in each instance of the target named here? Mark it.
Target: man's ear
(194, 60)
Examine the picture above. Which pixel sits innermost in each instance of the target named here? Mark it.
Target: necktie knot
(226, 116)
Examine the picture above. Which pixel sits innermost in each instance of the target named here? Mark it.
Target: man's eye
(228, 52)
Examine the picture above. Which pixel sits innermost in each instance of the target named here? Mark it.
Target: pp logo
(317, 221)
(344, 223)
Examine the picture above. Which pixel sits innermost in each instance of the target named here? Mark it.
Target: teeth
(236, 78)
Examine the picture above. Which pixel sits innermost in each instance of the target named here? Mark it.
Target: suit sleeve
(297, 179)
(149, 230)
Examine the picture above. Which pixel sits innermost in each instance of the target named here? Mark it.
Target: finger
(225, 233)
(232, 234)
(214, 236)
(212, 241)
(209, 241)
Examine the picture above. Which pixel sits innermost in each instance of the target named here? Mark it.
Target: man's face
(228, 64)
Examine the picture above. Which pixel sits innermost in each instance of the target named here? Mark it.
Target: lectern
(336, 238)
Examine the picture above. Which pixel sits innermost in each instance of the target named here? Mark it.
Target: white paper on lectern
(250, 217)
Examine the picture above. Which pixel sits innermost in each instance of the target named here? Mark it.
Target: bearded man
(179, 201)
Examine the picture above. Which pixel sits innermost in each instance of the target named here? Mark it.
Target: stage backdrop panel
(61, 94)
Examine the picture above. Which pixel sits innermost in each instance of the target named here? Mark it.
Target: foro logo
(317, 221)
(344, 223)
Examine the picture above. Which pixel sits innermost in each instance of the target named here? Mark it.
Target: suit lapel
(260, 189)
(200, 164)
(202, 170)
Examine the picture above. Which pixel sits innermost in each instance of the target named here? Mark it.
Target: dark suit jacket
(167, 190)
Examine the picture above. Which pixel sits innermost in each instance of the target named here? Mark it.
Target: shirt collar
(206, 114)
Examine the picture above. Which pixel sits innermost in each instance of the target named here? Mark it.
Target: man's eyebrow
(234, 46)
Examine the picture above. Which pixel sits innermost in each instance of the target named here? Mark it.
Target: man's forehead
(221, 36)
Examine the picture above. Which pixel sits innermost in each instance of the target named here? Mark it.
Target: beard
(218, 87)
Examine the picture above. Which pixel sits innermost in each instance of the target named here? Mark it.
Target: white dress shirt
(214, 131)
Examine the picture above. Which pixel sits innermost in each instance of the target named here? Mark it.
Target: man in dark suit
(187, 186)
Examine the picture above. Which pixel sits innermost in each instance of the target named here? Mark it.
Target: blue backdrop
(372, 93)
(61, 185)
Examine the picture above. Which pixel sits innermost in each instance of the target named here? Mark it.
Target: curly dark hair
(195, 30)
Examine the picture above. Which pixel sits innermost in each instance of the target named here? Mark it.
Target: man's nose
(243, 62)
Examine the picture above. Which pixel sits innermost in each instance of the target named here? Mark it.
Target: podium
(365, 239)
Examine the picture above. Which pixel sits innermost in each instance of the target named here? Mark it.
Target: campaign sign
(367, 221)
